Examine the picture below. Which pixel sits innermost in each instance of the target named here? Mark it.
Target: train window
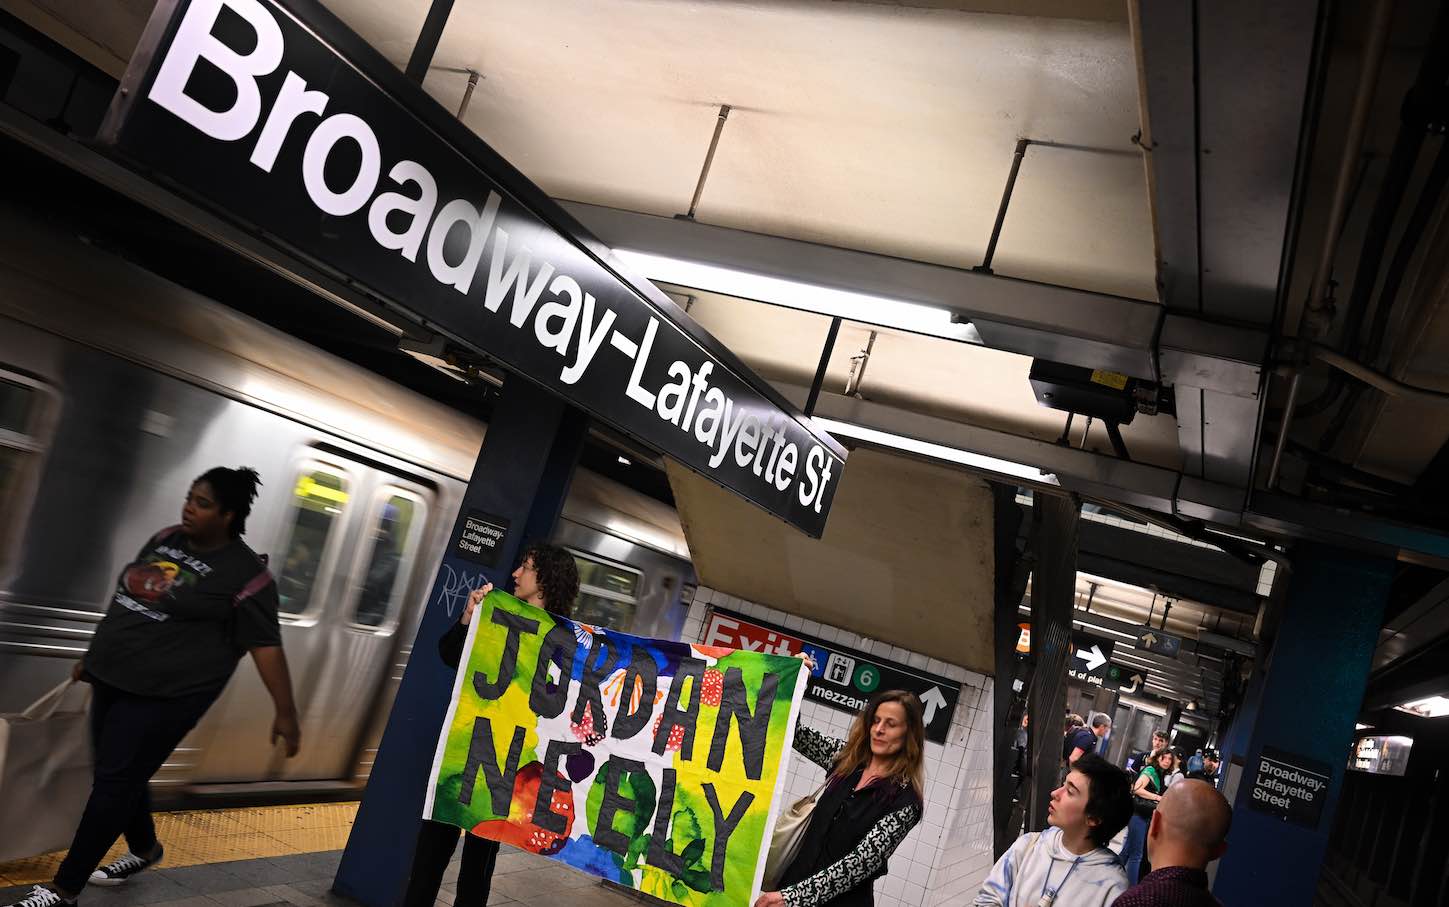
(390, 561)
(608, 593)
(318, 500)
(21, 404)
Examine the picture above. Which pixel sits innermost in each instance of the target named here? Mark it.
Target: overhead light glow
(806, 297)
(625, 461)
(1432, 707)
(1362, 727)
(937, 451)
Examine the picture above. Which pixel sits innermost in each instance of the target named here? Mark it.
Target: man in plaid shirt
(1189, 830)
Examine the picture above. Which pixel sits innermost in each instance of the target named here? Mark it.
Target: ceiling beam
(1062, 324)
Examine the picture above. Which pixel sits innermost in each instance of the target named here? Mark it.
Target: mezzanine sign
(278, 117)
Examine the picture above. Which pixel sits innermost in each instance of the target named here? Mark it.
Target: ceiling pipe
(1377, 379)
(468, 92)
(1318, 316)
(724, 114)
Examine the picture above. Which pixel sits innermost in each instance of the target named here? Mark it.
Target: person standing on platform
(547, 578)
(1068, 864)
(1188, 831)
(1209, 770)
(1139, 761)
(184, 612)
(1151, 784)
(1175, 774)
(1081, 740)
(872, 798)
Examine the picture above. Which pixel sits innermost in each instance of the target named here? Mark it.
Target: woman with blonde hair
(873, 797)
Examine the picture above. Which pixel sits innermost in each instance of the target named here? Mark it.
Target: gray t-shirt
(180, 619)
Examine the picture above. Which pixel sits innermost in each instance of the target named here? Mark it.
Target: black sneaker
(125, 866)
(40, 896)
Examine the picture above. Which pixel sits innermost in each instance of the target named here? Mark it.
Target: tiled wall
(946, 856)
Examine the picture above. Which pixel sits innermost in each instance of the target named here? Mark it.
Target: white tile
(794, 622)
(917, 661)
(810, 627)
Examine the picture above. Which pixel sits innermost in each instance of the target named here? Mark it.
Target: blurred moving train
(118, 388)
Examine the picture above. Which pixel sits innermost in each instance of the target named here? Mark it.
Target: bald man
(1189, 830)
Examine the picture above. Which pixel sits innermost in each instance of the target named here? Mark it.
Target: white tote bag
(789, 834)
(45, 772)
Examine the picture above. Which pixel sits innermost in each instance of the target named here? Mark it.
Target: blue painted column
(1311, 694)
(522, 475)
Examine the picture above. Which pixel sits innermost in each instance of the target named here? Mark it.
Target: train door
(358, 627)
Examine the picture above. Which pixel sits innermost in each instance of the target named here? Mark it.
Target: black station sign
(279, 118)
(843, 678)
(480, 537)
(1089, 659)
(1289, 786)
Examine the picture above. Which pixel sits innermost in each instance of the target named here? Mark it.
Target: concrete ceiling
(864, 125)
(907, 556)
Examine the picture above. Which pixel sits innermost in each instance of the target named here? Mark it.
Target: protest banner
(650, 763)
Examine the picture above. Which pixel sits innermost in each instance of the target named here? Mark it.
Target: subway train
(118, 388)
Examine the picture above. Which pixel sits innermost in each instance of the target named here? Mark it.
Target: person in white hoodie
(1068, 864)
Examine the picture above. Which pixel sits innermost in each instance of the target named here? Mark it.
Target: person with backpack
(1147, 792)
(1068, 864)
(193, 601)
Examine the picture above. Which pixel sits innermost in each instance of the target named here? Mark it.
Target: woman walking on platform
(184, 612)
(872, 799)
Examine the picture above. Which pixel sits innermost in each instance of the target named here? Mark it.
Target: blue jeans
(1134, 850)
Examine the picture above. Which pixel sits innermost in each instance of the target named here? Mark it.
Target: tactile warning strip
(192, 837)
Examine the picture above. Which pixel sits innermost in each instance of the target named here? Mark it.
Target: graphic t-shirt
(181, 619)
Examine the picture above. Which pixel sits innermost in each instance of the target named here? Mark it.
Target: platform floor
(287, 857)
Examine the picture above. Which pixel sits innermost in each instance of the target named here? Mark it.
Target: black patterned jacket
(852, 834)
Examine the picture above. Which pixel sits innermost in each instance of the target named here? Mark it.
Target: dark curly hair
(235, 490)
(558, 576)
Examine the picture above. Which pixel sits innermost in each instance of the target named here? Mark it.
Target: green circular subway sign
(867, 678)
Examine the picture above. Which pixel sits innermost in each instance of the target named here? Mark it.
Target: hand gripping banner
(650, 763)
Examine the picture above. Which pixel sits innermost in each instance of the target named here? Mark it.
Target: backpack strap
(163, 534)
(255, 584)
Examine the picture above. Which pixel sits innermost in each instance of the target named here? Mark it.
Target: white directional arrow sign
(1150, 638)
(1136, 682)
(932, 700)
(1093, 657)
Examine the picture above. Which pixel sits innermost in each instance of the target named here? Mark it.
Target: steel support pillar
(522, 477)
(1310, 695)
(427, 43)
(1010, 586)
(1053, 588)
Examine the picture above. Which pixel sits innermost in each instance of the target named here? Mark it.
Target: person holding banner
(873, 796)
(547, 578)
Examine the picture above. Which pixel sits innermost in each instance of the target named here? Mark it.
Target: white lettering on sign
(455, 236)
(733, 634)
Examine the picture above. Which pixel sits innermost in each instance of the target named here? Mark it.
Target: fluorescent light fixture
(625, 461)
(937, 451)
(1431, 707)
(806, 297)
(1362, 727)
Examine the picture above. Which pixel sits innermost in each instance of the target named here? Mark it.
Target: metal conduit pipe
(1377, 379)
(1318, 317)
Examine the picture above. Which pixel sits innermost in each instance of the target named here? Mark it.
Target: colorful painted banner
(651, 763)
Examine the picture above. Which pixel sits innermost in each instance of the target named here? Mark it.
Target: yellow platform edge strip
(193, 837)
